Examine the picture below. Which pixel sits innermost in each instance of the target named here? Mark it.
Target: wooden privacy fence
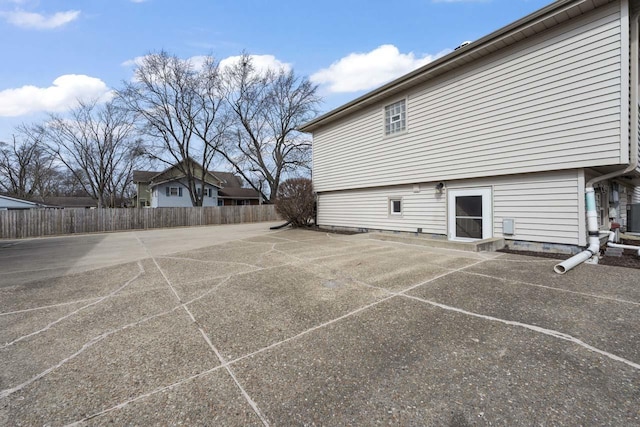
(49, 222)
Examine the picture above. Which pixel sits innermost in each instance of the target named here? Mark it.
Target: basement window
(395, 206)
(395, 118)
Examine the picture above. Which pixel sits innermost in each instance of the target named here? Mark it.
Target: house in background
(496, 139)
(12, 203)
(71, 202)
(232, 196)
(169, 188)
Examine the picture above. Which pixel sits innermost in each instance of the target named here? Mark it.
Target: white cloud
(65, 91)
(363, 71)
(39, 21)
(137, 61)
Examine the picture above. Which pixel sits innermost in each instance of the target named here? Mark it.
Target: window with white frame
(395, 206)
(174, 191)
(395, 117)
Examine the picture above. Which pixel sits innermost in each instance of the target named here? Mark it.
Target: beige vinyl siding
(545, 206)
(369, 208)
(551, 102)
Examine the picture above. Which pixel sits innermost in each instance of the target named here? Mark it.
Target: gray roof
(144, 176)
(537, 22)
(228, 178)
(238, 193)
(71, 201)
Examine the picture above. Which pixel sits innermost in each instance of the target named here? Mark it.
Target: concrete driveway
(239, 325)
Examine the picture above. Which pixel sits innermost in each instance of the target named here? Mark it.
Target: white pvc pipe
(611, 243)
(616, 245)
(594, 240)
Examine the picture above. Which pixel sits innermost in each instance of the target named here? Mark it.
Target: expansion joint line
(223, 362)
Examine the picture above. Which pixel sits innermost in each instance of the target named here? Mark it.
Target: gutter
(593, 250)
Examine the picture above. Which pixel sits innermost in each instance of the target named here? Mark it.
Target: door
(470, 216)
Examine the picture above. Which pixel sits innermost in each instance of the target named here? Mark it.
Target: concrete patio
(240, 325)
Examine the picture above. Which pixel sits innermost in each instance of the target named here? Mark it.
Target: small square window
(395, 118)
(395, 206)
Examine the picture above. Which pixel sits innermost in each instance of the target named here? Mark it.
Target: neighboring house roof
(537, 22)
(228, 179)
(8, 202)
(71, 201)
(223, 179)
(144, 176)
(238, 193)
(173, 173)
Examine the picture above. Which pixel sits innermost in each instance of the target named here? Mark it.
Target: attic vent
(463, 44)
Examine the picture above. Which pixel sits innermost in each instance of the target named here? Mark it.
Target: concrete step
(485, 245)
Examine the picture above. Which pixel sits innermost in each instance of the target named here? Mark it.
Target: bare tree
(27, 169)
(263, 144)
(99, 147)
(182, 108)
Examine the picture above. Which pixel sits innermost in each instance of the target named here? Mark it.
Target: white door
(470, 216)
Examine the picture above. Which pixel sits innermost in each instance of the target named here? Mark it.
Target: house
(169, 188)
(500, 138)
(232, 196)
(232, 193)
(71, 202)
(13, 203)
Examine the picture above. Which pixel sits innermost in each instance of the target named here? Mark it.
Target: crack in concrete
(44, 307)
(7, 392)
(73, 313)
(545, 331)
(549, 332)
(209, 262)
(226, 364)
(223, 362)
(502, 279)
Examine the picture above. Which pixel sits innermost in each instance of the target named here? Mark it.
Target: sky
(54, 52)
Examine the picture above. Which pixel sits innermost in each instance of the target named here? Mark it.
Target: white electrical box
(508, 226)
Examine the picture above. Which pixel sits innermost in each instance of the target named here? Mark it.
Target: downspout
(592, 219)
